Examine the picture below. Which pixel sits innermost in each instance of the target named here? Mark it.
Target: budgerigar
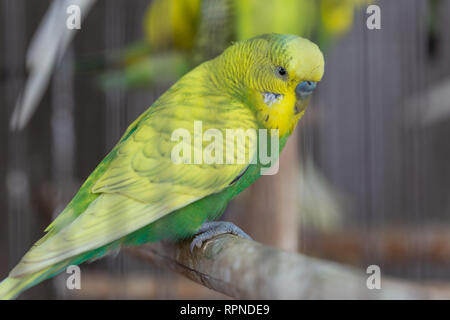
(141, 193)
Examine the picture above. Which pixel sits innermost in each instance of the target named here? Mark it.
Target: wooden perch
(246, 269)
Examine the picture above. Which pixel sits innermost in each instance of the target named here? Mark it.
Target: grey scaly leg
(211, 229)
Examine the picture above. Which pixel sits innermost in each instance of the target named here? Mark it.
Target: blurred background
(365, 181)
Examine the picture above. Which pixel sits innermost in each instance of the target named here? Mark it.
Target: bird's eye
(281, 71)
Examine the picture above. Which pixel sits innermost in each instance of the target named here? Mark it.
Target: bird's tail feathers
(11, 287)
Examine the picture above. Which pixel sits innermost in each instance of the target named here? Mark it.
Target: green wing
(142, 183)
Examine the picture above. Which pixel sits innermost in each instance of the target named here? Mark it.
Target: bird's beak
(305, 88)
(303, 93)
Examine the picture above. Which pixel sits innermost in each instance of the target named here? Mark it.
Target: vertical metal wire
(17, 178)
(63, 140)
(114, 31)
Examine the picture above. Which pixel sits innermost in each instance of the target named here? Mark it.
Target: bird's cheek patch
(271, 98)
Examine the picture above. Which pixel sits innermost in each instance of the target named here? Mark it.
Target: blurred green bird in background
(177, 36)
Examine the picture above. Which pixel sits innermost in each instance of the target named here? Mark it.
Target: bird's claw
(211, 229)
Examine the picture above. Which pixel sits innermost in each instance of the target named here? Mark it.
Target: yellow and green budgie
(138, 194)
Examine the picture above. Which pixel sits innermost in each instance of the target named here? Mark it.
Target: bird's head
(275, 74)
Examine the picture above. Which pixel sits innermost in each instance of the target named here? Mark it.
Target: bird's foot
(214, 228)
